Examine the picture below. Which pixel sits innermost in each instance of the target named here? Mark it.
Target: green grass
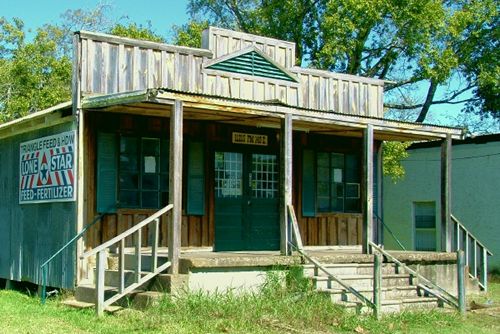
(274, 309)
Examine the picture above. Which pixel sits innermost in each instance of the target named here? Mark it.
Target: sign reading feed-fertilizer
(47, 169)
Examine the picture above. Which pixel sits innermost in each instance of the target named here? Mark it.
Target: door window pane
(264, 176)
(228, 174)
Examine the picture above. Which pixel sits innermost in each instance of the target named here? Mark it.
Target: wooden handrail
(128, 232)
(460, 225)
(444, 296)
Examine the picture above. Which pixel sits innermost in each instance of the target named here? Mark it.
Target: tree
(33, 76)
(36, 74)
(449, 49)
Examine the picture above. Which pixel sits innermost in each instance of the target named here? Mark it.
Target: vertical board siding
(109, 66)
(31, 233)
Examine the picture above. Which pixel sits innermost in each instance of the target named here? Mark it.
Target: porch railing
(139, 277)
(45, 265)
(297, 244)
(476, 254)
(424, 283)
(390, 231)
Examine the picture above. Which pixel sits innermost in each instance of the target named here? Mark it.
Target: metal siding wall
(30, 233)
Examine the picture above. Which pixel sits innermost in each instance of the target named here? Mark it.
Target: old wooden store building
(201, 162)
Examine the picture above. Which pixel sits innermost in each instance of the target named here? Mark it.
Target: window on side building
(425, 225)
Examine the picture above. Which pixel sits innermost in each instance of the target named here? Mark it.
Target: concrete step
(362, 281)
(393, 306)
(72, 302)
(131, 260)
(85, 295)
(160, 283)
(387, 293)
(349, 269)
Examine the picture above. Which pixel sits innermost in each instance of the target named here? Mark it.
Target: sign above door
(249, 139)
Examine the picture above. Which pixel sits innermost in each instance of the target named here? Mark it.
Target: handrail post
(44, 284)
(461, 281)
(99, 285)
(121, 265)
(484, 269)
(154, 245)
(138, 259)
(466, 248)
(474, 252)
(377, 282)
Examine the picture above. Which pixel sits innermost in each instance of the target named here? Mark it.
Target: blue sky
(162, 14)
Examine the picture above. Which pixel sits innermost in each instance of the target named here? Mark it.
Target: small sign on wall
(47, 169)
(249, 139)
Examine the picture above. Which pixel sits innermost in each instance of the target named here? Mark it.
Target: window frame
(161, 173)
(331, 184)
(416, 229)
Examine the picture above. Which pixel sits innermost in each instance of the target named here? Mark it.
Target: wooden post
(446, 195)
(99, 282)
(286, 183)
(377, 283)
(368, 188)
(121, 265)
(154, 244)
(461, 282)
(175, 186)
(138, 255)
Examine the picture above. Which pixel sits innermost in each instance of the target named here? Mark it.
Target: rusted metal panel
(31, 233)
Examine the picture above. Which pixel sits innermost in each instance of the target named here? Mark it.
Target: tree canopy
(36, 74)
(447, 49)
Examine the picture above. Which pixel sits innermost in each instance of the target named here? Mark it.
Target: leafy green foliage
(394, 153)
(133, 30)
(189, 34)
(33, 75)
(448, 47)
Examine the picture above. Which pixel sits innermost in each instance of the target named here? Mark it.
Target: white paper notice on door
(149, 165)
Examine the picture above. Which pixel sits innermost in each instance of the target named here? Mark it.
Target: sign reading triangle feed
(47, 169)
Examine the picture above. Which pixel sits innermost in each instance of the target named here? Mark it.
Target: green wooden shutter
(196, 179)
(107, 171)
(308, 184)
(376, 184)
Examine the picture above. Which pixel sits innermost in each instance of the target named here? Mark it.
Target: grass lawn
(273, 310)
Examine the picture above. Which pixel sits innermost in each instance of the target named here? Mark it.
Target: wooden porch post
(446, 229)
(286, 183)
(175, 186)
(368, 188)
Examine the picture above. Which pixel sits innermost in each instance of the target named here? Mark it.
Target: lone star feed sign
(47, 169)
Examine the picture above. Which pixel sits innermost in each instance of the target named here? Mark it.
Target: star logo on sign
(44, 171)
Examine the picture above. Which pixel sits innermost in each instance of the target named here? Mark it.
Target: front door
(246, 201)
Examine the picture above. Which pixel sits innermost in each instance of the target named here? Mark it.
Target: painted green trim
(252, 63)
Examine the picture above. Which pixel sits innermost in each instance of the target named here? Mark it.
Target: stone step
(387, 293)
(362, 281)
(349, 269)
(393, 306)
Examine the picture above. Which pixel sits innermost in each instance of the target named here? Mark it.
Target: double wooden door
(246, 201)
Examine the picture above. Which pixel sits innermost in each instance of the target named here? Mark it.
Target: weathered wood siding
(198, 231)
(31, 233)
(110, 64)
(223, 42)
